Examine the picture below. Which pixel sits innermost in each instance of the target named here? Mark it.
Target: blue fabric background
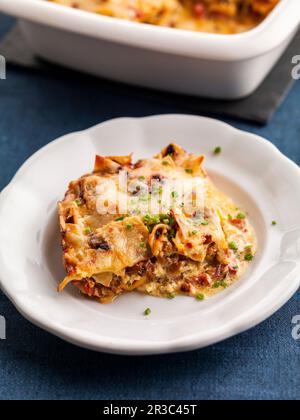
(263, 363)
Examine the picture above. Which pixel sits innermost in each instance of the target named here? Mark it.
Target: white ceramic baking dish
(212, 65)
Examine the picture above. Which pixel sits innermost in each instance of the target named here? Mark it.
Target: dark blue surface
(263, 363)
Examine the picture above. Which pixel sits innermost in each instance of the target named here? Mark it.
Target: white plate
(250, 169)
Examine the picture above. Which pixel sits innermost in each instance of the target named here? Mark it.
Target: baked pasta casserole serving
(158, 226)
(216, 16)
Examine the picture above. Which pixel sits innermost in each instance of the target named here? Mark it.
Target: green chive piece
(129, 227)
(232, 245)
(218, 150)
(171, 296)
(189, 171)
(172, 234)
(219, 284)
(120, 219)
(147, 312)
(274, 223)
(147, 218)
(155, 220)
(87, 231)
(241, 216)
(143, 245)
(150, 221)
(78, 202)
(205, 222)
(249, 257)
(174, 194)
(229, 217)
(200, 297)
(141, 178)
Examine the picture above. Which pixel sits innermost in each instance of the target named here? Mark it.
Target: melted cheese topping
(187, 245)
(216, 16)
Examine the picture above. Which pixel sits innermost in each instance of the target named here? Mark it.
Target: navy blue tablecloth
(263, 363)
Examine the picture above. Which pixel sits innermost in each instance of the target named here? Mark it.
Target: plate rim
(123, 346)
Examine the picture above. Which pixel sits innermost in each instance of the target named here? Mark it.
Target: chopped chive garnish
(150, 221)
(189, 171)
(248, 247)
(143, 245)
(235, 267)
(232, 245)
(120, 219)
(217, 150)
(220, 284)
(205, 222)
(229, 217)
(200, 296)
(87, 230)
(174, 194)
(274, 223)
(160, 190)
(172, 234)
(241, 216)
(147, 218)
(129, 227)
(155, 220)
(147, 312)
(249, 257)
(171, 296)
(78, 202)
(141, 178)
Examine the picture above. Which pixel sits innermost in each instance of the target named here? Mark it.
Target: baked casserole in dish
(216, 16)
(220, 57)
